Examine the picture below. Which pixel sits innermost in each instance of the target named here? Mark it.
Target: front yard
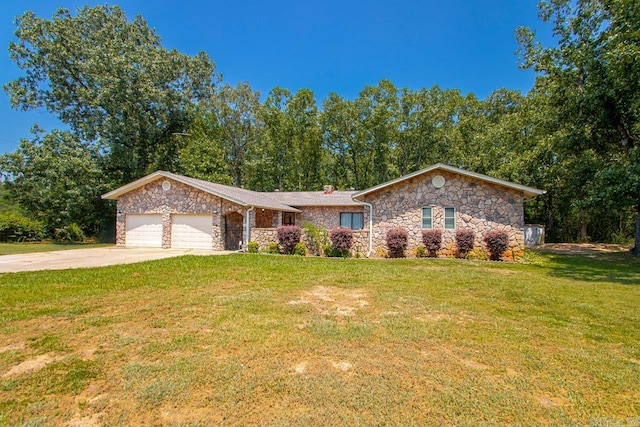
(258, 339)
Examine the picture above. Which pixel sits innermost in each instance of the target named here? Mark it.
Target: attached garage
(144, 231)
(191, 231)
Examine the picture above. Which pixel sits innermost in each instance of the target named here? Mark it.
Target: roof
(315, 198)
(527, 191)
(236, 195)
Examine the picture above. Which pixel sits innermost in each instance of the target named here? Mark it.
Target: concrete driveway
(95, 257)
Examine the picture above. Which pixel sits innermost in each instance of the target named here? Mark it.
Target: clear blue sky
(327, 46)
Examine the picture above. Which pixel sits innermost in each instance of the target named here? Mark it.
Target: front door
(233, 231)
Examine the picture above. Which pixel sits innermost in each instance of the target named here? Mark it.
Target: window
(289, 218)
(352, 220)
(427, 221)
(450, 218)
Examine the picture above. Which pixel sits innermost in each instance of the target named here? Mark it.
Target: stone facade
(179, 199)
(479, 205)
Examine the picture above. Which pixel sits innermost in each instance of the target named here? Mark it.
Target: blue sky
(327, 46)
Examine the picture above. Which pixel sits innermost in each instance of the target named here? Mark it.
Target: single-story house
(166, 210)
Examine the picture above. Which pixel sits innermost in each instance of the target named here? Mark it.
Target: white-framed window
(449, 218)
(352, 220)
(427, 217)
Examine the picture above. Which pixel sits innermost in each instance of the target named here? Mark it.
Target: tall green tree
(111, 81)
(593, 79)
(57, 179)
(239, 127)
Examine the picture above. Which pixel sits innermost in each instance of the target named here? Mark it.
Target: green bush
(253, 247)
(69, 233)
(17, 228)
(421, 252)
(300, 249)
(317, 237)
(273, 248)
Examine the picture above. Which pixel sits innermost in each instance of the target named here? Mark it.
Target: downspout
(246, 245)
(370, 228)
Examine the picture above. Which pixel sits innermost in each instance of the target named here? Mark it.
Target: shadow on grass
(622, 268)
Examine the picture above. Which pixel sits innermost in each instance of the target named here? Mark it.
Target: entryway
(232, 231)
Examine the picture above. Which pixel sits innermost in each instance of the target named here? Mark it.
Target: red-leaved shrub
(465, 239)
(288, 237)
(497, 242)
(432, 240)
(397, 242)
(341, 239)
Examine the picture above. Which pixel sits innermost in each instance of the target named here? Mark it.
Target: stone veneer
(480, 206)
(179, 199)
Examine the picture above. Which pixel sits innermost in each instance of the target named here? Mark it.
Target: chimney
(328, 189)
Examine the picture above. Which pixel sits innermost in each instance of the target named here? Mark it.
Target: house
(166, 210)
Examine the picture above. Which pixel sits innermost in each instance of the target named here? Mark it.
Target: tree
(111, 81)
(201, 155)
(57, 179)
(236, 112)
(593, 79)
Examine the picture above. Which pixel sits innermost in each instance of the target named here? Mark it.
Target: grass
(32, 247)
(256, 339)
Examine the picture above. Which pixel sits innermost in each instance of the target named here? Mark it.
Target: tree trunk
(636, 247)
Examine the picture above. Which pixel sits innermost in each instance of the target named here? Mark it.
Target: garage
(144, 231)
(191, 231)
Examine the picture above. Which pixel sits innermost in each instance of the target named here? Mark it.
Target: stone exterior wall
(329, 216)
(479, 205)
(179, 199)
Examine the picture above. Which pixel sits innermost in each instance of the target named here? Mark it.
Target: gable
(440, 169)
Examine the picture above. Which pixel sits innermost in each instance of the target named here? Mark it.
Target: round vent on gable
(166, 186)
(438, 181)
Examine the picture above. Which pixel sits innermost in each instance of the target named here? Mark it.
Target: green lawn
(25, 248)
(274, 340)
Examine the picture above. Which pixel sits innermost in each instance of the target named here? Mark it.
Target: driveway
(95, 257)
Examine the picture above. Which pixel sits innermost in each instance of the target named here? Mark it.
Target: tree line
(133, 107)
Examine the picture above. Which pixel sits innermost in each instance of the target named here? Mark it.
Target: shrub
(420, 252)
(300, 249)
(273, 248)
(16, 228)
(253, 247)
(397, 239)
(317, 237)
(341, 240)
(465, 241)
(69, 233)
(497, 242)
(289, 237)
(432, 240)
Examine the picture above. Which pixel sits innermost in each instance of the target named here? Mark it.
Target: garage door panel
(191, 231)
(144, 231)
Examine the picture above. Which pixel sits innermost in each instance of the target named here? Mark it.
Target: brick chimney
(328, 189)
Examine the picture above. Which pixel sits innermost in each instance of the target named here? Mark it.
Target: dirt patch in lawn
(333, 301)
(31, 365)
(583, 248)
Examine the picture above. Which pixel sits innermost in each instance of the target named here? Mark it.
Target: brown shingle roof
(236, 195)
(314, 198)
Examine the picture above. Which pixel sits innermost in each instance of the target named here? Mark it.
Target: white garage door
(191, 231)
(144, 230)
